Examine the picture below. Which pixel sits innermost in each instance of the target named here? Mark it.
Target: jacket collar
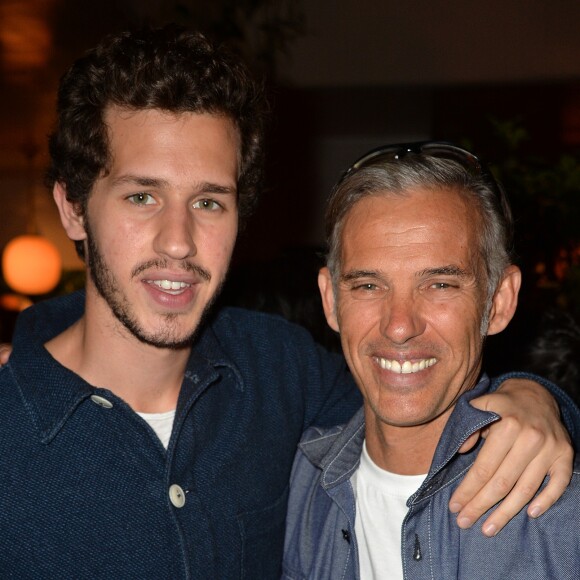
(51, 392)
(337, 451)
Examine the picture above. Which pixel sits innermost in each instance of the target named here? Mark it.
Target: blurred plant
(545, 196)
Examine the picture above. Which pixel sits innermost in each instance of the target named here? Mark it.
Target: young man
(419, 273)
(143, 436)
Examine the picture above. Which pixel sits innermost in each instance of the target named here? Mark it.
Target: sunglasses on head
(436, 149)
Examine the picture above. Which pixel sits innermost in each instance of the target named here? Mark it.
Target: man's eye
(207, 204)
(142, 199)
(364, 289)
(440, 286)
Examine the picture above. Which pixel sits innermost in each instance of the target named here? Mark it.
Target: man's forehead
(388, 207)
(200, 131)
(138, 158)
(420, 220)
(115, 117)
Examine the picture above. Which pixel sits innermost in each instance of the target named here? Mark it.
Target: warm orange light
(31, 265)
(14, 302)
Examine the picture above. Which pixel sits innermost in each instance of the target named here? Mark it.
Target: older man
(419, 273)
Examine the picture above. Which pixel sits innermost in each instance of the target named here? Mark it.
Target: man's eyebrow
(209, 187)
(356, 274)
(156, 182)
(450, 270)
(139, 180)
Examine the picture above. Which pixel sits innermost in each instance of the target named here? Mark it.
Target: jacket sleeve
(331, 395)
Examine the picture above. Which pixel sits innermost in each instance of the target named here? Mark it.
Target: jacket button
(101, 401)
(176, 496)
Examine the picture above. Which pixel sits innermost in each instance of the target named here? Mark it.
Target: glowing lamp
(31, 265)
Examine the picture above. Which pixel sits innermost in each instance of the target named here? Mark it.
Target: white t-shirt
(161, 423)
(381, 499)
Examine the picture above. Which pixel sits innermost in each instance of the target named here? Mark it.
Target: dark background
(502, 77)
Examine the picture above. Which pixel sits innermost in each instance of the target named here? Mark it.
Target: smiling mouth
(406, 367)
(170, 286)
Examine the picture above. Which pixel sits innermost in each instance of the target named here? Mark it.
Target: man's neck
(403, 450)
(105, 354)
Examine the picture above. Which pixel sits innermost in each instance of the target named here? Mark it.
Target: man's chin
(163, 343)
(163, 337)
(171, 333)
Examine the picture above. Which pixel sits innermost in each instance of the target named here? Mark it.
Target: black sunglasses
(437, 149)
(440, 150)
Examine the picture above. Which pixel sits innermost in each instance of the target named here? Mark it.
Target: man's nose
(175, 234)
(401, 318)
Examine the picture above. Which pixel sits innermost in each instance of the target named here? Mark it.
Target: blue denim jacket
(84, 488)
(320, 538)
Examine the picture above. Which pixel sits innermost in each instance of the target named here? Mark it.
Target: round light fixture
(31, 265)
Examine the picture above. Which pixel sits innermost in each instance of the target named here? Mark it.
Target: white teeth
(407, 367)
(170, 285)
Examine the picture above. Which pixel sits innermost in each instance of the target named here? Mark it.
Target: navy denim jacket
(320, 533)
(84, 488)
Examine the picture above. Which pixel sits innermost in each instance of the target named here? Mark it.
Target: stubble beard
(108, 288)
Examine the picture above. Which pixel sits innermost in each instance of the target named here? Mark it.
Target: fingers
(524, 490)
(484, 484)
(514, 471)
(5, 350)
(528, 443)
(560, 476)
(469, 443)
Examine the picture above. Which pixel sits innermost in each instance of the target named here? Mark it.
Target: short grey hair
(398, 176)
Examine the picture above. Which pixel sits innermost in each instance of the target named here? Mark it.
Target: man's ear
(71, 219)
(505, 300)
(328, 298)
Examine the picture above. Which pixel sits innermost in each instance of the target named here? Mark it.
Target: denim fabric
(320, 533)
(84, 489)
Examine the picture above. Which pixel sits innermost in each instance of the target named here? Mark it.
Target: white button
(176, 496)
(101, 401)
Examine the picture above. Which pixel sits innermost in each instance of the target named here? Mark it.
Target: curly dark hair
(171, 69)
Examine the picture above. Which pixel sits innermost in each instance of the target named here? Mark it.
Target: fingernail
(535, 511)
(464, 522)
(455, 507)
(490, 530)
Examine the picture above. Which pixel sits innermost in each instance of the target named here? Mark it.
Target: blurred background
(501, 77)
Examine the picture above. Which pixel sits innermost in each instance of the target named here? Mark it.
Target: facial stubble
(108, 288)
